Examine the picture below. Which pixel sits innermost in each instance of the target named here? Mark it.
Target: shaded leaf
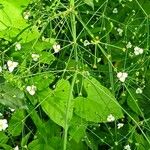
(54, 102)
(98, 104)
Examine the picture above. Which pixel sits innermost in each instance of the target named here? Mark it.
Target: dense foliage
(74, 75)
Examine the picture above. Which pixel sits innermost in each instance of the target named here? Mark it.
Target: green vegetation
(74, 75)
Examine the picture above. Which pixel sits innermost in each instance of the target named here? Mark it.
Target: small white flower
(86, 43)
(129, 45)
(139, 91)
(1, 69)
(127, 147)
(56, 48)
(1, 114)
(26, 15)
(11, 65)
(16, 148)
(31, 89)
(18, 46)
(120, 31)
(110, 118)
(122, 76)
(120, 125)
(138, 51)
(11, 109)
(115, 10)
(3, 124)
(35, 57)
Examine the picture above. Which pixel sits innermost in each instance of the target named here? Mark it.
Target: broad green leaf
(16, 124)
(56, 143)
(46, 57)
(54, 102)
(133, 102)
(77, 128)
(12, 22)
(11, 96)
(3, 138)
(98, 104)
(25, 139)
(5, 147)
(26, 34)
(90, 3)
(42, 81)
(11, 14)
(37, 145)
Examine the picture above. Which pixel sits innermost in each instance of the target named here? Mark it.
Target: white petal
(119, 75)
(122, 79)
(15, 64)
(28, 88)
(16, 148)
(32, 92)
(11, 69)
(124, 74)
(0, 69)
(9, 63)
(18, 46)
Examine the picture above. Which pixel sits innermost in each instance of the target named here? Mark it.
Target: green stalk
(73, 27)
(110, 67)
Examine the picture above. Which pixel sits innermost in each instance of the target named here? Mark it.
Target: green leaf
(5, 147)
(11, 14)
(37, 145)
(98, 104)
(25, 139)
(77, 128)
(3, 138)
(42, 81)
(54, 102)
(15, 124)
(90, 3)
(46, 57)
(133, 102)
(11, 96)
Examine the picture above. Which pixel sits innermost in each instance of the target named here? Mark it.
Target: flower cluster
(11, 65)
(56, 48)
(31, 89)
(3, 124)
(138, 50)
(122, 76)
(35, 57)
(110, 118)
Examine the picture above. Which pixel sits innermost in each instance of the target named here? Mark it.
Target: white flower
(3, 124)
(139, 91)
(35, 57)
(11, 65)
(11, 109)
(31, 89)
(120, 125)
(16, 148)
(56, 48)
(122, 76)
(127, 147)
(110, 118)
(1, 114)
(129, 45)
(1, 69)
(26, 15)
(115, 10)
(138, 51)
(86, 43)
(18, 46)
(120, 31)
